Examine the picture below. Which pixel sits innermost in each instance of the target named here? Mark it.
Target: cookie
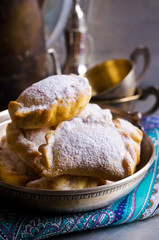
(50, 101)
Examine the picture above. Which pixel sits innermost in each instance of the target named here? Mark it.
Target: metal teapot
(23, 54)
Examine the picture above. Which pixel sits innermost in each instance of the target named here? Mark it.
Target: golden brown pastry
(133, 132)
(88, 147)
(66, 182)
(12, 169)
(50, 101)
(25, 142)
(93, 110)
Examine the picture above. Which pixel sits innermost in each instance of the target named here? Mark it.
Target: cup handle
(54, 56)
(145, 93)
(141, 51)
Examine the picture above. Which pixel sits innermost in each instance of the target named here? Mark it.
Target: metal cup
(116, 78)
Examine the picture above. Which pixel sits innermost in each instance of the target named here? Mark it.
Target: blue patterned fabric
(141, 203)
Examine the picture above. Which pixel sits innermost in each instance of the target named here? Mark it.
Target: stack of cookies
(60, 141)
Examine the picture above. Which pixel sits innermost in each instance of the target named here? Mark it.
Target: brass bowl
(78, 200)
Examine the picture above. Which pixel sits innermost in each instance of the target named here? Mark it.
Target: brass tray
(77, 200)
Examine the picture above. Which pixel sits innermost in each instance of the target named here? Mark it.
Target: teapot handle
(54, 57)
(141, 51)
(61, 23)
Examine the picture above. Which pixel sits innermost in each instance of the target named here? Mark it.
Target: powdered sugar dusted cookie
(65, 182)
(12, 169)
(132, 131)
(87, 147)
(50, 101)
(93, 110)
(25, 142)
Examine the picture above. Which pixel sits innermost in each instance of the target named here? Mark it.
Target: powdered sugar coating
(66, 182)
(58, 87)
(133, 131)
(97, 112)
(91, 148)
(11, 162)
(36, 137)
(25, 143)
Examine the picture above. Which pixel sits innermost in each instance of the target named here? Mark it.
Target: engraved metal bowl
(78, 200)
